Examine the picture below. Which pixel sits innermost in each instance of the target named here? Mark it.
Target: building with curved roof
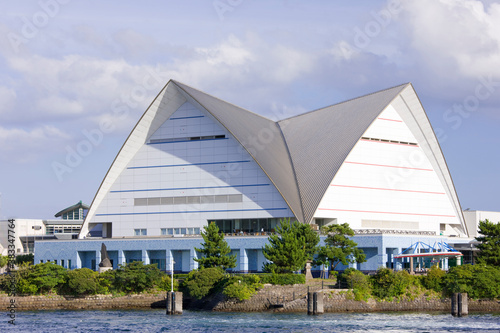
(373, 162)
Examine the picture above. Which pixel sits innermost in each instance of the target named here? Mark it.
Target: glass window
(62, 263)
(167, 201)
(220, 198)
(154, 201)
(140, 232)
(140, 202)
(193, 200)
(170, 231)
(206, 199)
(183, 231)
(179, 200)
(163, 231)
(197, 231)
(235, 198)
(69, 263)
(177, 231)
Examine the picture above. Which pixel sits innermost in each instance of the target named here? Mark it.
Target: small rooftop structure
(75, 212)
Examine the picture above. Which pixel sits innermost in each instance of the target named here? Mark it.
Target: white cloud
(289, 63)
(19, 145)
(59, 106)
(456, 33)
(74, 92)
(7, 99)
(230, 53)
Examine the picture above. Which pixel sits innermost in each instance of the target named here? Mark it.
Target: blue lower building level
(178, 253)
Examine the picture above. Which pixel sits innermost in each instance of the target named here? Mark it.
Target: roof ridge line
(293, 169)
(239, 141)
(220, 99)
(346, 101)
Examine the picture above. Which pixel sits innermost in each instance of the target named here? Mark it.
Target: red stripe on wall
(399, 121)
(367, 211)
(387, 189)
(389, 166)
(392, 143)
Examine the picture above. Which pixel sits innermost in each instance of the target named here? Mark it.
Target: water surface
(155, 320)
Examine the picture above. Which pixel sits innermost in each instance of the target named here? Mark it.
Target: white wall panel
(189, 169)
(384, 181)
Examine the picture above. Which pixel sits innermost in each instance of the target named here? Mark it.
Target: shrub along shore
(146, 284)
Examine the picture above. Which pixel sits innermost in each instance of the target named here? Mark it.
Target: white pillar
(243, 260)
(121, 257)
(193, 264)
(145, 257)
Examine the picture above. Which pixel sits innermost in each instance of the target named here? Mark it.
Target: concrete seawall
(293, 299)
(97, 302)
(270, 298)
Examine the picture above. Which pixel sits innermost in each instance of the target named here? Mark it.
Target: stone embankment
(270, 298)
(98, 302)
(293, 299)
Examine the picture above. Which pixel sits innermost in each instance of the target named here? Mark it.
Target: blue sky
(67, 67)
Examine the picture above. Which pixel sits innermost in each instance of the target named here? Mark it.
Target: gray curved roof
(302, 154)
(261, 137)
(319, 141)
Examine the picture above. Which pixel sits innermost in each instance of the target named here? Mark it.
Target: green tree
(290, 247)
(135, 277)
(339, 248)
(41, 278)
(387, 284)
(311, 239)
(82, 281)
(201, 283)
(4, 260)
(489, 247)
(359, 283)
(479, 281)
(242, 287)
(215, 250)
(434, 279)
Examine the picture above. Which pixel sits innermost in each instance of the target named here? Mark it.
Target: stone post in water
(463, 305)
(459, 305)
(315, 303)
(310, 302)
(174, 302)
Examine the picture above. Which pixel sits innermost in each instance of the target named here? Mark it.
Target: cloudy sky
(68, 66)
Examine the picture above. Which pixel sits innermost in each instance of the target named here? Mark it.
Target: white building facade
(373, 162)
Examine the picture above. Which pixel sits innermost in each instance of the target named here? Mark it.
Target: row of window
(170, 231)
(197, 199)
(192, 138)
(63, 263)
(75, 214)
(390, 141)
(62, 229)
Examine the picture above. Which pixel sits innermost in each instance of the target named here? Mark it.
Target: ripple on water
(155, 320)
